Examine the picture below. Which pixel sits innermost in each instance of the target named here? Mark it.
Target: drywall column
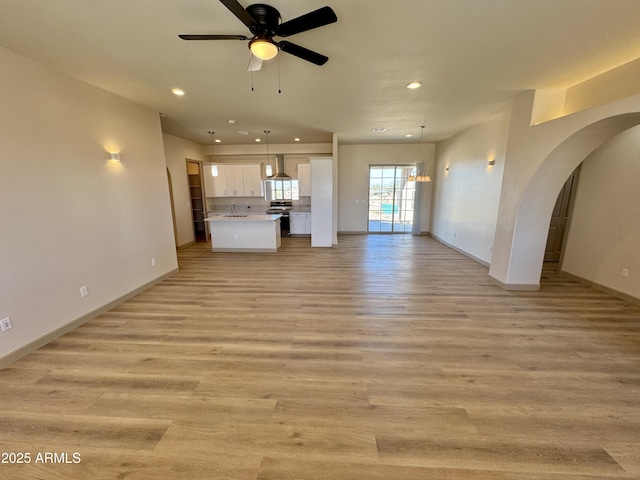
(321, 201)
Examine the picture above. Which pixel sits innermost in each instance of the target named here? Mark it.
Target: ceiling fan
(263, 22)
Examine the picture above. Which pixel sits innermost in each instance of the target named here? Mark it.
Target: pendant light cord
(211, 134)
(267, 134)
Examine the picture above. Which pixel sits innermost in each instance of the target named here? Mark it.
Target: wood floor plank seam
(385, 357)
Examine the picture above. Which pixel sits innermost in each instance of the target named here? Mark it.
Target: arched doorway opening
(530, 231)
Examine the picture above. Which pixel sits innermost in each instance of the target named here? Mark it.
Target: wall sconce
(446, 169)
(491, 162)
(114, 156)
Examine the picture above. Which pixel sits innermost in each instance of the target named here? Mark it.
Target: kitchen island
(244, 233)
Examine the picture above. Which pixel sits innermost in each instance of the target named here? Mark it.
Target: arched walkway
(533, 213)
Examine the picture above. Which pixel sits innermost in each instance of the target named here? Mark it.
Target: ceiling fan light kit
(263, 48)
(263, 21)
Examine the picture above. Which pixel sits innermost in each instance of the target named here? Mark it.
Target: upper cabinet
(233, 180)
(304, 179)
(232, 174)
(252, 180)
(208, 179)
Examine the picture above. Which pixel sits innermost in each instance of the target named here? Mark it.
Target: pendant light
(268, 170)
(419, 175)
(214, 168)
(211, 134)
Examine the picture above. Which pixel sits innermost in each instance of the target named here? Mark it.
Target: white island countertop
(245, 233)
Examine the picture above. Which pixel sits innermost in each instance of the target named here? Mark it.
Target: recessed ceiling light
(379, 130)
(296, 139)
(218, 140)
(244, 132)
(414, 85)
(177, 91)
(258, 140)
(408, 135)
(231, 122)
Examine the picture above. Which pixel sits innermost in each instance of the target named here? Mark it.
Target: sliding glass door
(391, 199)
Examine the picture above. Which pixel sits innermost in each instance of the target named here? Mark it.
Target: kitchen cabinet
(304, 179)
(252, 233)
(232, 175)
(208, 179)
(214, 186)
(234, 180)
(219, 183)
(252, 180)
(300, 223)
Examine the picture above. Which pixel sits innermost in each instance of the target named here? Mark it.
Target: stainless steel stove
(283, 207)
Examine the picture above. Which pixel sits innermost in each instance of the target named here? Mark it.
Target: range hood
(279, 175)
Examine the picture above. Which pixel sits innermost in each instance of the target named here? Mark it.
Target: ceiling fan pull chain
(279, 89)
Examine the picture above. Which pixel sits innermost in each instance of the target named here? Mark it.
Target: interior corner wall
(353, 174)
(604, 232)
(70, 217)
(466, 197)
(177, 152)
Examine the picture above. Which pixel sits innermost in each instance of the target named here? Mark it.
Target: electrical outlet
(83, 291)
(153, 262)
(6, 324)
(624, 273)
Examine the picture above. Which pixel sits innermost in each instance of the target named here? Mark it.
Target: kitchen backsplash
(249, 203)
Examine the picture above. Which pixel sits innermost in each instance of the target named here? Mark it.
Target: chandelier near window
(419, 176)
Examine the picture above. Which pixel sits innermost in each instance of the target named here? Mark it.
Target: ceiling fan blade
(303, 53)
(317, 18)
(239, 11)
(213, 37)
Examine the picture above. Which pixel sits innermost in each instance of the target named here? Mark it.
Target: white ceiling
(472, 56)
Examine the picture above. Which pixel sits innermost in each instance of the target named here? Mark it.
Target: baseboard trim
(453, 247)
(603, 288)
(514, 286)
(188, 244)
(32, 346)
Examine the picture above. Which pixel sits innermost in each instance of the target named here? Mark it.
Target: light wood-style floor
(388, 357)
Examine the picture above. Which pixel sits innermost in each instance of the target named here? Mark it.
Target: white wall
(69, 216)
(604, 234)
(353, 185)
(539, 159)
(465, 200)
(177, 152)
